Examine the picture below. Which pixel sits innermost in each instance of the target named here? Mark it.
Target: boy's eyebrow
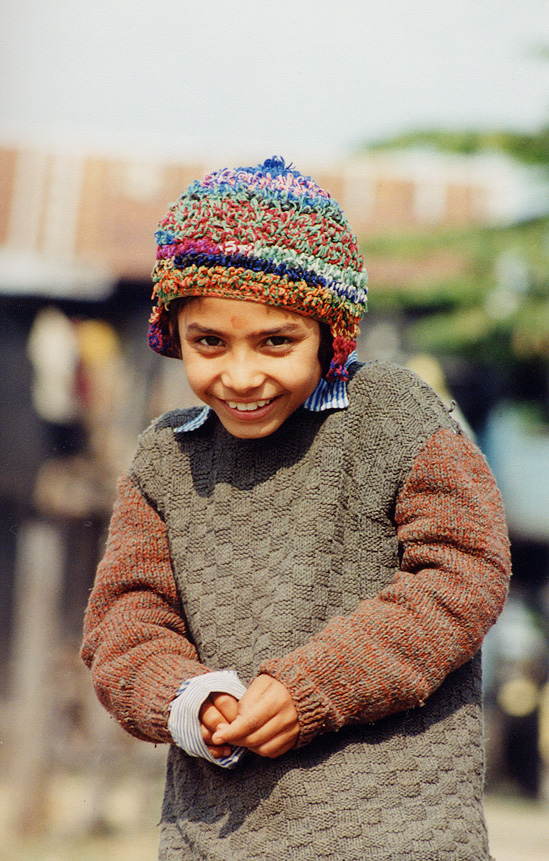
(196, 327)
(285, 329)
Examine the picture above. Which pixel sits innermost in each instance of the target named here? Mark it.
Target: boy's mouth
(250, 406)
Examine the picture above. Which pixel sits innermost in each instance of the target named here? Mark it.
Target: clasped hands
(264, 720)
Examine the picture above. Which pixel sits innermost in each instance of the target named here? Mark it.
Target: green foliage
(529, 148)
(489, 306)
(495, 311)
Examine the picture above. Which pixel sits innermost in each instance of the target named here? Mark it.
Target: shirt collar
(326, 396)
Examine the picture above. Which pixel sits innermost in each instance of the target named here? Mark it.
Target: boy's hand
(266, 722)
(217, 709)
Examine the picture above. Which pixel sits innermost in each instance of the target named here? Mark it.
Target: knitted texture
(135, 634)
(268, 235)
(359, 557)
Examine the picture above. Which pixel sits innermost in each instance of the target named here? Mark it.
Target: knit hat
(265, 234)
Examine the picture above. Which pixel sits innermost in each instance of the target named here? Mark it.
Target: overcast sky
(287, 76)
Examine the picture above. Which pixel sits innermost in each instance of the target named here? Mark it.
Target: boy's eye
(210, 341)
(277, 341)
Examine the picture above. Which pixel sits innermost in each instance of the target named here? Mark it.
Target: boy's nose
(241, 375)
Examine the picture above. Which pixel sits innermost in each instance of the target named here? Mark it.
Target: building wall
(101, 210)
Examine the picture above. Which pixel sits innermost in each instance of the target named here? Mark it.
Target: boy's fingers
(276, 746)
(241, 727)
(226, 704)
(270, 740)
(210, 716)
(265, 711)
(273, 732)
(252, 732)
(218, 708)
(218, 751)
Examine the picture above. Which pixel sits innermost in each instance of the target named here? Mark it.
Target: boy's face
(253, 364)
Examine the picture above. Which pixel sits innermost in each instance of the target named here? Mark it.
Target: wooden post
(38, 583)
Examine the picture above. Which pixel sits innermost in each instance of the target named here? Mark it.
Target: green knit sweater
(359, 556)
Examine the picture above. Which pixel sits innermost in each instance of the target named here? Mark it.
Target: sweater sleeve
(398, 647)
(135, 638)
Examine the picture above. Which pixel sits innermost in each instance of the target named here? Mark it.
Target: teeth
(252, 405)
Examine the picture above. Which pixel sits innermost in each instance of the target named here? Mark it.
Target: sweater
(359, 557)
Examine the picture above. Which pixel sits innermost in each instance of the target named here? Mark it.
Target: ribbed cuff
(315, 712)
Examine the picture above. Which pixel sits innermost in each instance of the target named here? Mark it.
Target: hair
(174, 309)
(325, 350)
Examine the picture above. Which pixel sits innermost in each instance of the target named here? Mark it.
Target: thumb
(239, 728)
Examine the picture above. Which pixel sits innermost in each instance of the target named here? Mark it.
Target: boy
(299, 576)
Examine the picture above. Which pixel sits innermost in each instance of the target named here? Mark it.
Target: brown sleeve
(397, 648)
(135, 638)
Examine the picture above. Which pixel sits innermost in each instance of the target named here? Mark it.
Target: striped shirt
(184, 724)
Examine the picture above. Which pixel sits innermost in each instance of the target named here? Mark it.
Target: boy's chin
(248, 432)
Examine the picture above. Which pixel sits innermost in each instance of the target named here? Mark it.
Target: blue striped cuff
(183, 722)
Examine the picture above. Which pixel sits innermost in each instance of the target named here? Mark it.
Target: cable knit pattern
(359, 556)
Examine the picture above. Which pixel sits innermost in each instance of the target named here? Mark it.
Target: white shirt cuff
(184, 724)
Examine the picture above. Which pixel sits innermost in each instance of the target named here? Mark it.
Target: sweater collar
(326, 396)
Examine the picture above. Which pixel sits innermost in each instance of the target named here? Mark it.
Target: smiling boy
(299, 575)
(254, 365)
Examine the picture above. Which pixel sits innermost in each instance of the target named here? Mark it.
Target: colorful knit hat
(268, 235)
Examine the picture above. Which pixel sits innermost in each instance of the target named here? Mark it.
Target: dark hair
(325, 350)
(174, 308)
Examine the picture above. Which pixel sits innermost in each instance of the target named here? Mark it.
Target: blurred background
(429, 123)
